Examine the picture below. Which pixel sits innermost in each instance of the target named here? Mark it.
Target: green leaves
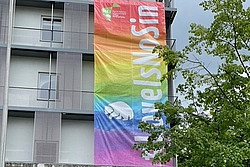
(214, 130)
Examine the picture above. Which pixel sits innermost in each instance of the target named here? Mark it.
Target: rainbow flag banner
(127, 77)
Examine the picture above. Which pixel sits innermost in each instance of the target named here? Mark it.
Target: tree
(214, 129)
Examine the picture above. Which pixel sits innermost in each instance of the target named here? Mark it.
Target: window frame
(42, 30)
(49, 90)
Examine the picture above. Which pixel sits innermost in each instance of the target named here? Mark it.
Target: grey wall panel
(69, 71)
(1, 114)
(54, 120)
(46, 152)
(19, 142)
(47, 126)
(4, 9)
(47, 137)
(40, 126)
(76, 23)
(3, 51)
(77, 143)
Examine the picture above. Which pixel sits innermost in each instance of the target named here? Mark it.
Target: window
(55, 34)
(47, 84)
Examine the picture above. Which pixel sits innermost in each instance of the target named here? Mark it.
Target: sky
(189, 11)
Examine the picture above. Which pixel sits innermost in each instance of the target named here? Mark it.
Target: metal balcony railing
(65, 100)
(67, 40)
(169, 3)
(171, 43)
(173, 99)
(53, 38)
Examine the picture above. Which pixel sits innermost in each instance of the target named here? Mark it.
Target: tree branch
(215, 80)
(237, 52)
(245, 43)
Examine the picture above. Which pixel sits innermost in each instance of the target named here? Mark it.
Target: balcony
(34, 37)
(44, 80)
(68, 101)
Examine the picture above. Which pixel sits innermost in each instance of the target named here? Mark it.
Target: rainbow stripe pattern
(127, 77)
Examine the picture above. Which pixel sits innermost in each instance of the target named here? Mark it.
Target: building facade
(51, 84)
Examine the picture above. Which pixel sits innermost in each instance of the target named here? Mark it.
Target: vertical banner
(127, 77)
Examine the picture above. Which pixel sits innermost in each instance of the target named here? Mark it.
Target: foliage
(214, 130)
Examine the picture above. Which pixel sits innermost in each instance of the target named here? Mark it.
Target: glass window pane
(43, 86)
(57, 36)
(43, 81)
(45, 90)
(57, 25)
(46, 35)
(43, 94)
(53, 81)
(52, 94)
(57, 30)
(46, 25)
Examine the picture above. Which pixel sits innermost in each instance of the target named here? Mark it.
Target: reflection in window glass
(46, 33)
(56, 29)
(47, 86)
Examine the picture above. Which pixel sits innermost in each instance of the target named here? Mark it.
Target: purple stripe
(115, 148)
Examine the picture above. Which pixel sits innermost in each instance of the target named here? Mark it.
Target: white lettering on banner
(146, 83)
(146, 59)
(148, 11)
(148, 16)
(145, 31)
(148, 44)
(148, 94)
(150, 118)
(147, 21)
(150, 73)
(148, 108)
